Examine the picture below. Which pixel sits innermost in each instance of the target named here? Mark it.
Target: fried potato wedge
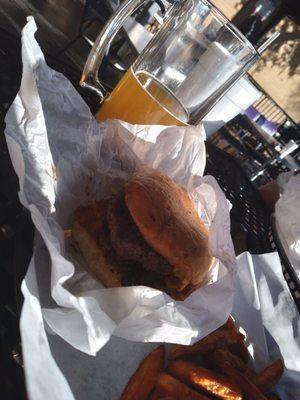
(235, 361)
(248, 388)
(268, 378)
(272, 396)
(215, 340)
(202, 379)
(239, 349)
(143, 380)
(154, 395)
(168, 386)
(229, 324)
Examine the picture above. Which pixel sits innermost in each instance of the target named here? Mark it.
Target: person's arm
(270, 193)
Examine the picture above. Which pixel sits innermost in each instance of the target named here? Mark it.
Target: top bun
(168, 221)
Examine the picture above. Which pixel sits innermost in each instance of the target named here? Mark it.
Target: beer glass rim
(231, 27)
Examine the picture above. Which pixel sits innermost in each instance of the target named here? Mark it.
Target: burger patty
(128, 242)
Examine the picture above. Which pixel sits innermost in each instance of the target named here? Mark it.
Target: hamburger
(148, 234)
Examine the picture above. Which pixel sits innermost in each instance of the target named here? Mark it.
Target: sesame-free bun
(168, 221)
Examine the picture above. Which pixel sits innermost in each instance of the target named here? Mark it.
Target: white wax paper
(264, 307)
(288, 218)
(54, 370)
(64, 159)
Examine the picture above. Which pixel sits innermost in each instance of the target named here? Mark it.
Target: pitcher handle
(89, 78)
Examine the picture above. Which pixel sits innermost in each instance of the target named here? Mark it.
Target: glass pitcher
(188, 65)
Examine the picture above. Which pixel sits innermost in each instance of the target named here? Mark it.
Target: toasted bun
(86, 231)
(168, 221)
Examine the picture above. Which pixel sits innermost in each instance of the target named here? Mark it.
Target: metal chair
(98, 11)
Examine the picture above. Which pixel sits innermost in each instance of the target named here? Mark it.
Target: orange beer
(140, 99)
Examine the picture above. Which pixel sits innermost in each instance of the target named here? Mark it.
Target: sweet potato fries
(213, 368)
(143, 380)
